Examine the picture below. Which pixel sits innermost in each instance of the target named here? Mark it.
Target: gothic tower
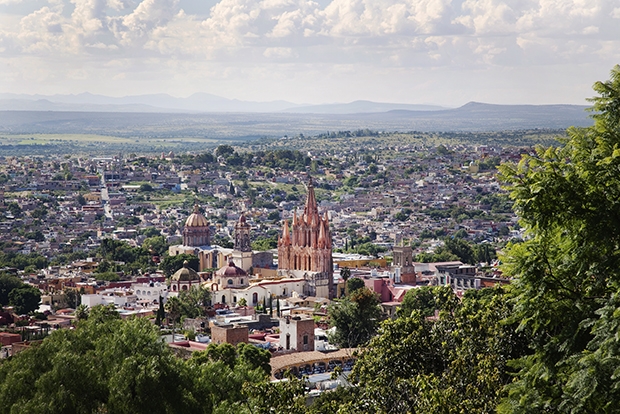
(307, 251)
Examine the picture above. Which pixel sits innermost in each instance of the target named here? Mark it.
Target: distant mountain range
(470, 117)
(196, 103)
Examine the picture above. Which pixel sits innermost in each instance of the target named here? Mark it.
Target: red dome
(231, 270)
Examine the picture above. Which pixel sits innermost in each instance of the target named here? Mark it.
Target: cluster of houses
(73, 211)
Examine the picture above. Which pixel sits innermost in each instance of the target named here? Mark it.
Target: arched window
(223, 298)
(184, 287)
(255, 298)
(174, 288)
(230, 281)
(234, 299)
(242, 281)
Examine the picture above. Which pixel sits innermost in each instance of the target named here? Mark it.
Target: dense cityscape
(424, 277)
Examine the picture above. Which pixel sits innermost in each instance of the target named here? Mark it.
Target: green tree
(224, 151)
(355, 317)
(456, 363)
(354, 284)
(104, 365)
(71, 298)
(426, 300)
(156, 245)
(174, 309)
(194, 302)
(161, 314)
(264, 243)
(567, 271)
(81, 312)
(146, 188)
(107, 276)
(7, 284)
(25, 299)
(170, 264)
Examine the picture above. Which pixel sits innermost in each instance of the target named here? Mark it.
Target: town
(112, 230)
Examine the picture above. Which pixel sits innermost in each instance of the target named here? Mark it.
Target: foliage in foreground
(111, 365)
(455, 363)
(568, 270)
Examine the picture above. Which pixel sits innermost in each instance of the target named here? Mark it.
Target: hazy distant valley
(134, 123)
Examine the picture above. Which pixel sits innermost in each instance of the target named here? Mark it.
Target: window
(230, 281)
(242, 281)
(305, 339)
(254, 297)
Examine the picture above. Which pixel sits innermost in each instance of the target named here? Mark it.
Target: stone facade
(402, 264)
(297, 333)
(307, 251)
(230, 334)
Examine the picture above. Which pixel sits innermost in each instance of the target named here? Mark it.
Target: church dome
(185, 274)
(196, 219)
(231, 270)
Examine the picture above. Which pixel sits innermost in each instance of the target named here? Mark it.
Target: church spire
(322, 236)
(311, 207)
(286, 237)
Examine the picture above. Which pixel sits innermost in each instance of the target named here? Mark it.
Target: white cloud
(377, 36)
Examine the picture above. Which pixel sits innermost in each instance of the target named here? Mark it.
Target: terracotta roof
(231, 270)
(309, 357)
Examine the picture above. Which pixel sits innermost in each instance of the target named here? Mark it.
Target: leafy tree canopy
(356, 317)
(25, 299)
(568, 269)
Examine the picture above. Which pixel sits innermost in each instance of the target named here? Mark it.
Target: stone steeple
(309, 248)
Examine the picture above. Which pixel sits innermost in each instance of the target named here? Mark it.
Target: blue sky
(445, 52)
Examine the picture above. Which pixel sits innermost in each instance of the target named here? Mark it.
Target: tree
(7, 284)
(567, 272)
(81, 312)
(107, 276)
(71, 298)
(161, 314)
(146, 188)
(264, 243)
(194, 302)
(353, 284)
(224, 151)
(156, 245)
(25, 299)
(174, 308)
(104, 365)
(455, 363)
(170, 264)
(355, 317)
(426, 300)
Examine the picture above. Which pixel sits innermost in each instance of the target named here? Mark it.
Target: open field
(93, 144)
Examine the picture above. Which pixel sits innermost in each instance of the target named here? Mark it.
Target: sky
(443, 52)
